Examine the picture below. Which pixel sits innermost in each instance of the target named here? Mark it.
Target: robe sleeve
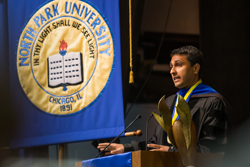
(213, 127)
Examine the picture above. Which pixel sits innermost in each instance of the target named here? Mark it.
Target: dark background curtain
(225, 43)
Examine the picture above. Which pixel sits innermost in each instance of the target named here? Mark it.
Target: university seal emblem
(65, 56)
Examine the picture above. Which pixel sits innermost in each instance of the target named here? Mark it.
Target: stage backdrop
(65, 71)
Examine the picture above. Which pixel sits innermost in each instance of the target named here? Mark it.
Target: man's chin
(178, 85)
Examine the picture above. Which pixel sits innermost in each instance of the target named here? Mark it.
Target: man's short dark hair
(194, 55)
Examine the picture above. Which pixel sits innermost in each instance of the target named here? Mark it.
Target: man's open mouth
(176, 78)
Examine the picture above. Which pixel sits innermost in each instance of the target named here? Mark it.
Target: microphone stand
(138, 117)
(147, 131)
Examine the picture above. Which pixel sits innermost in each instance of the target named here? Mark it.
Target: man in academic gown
(208, 108)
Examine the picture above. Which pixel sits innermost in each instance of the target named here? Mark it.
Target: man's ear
(196, 68)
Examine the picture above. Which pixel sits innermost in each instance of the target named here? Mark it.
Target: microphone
(147, 131)
(138, 117)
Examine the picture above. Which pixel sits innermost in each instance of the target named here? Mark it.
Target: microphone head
(138, 116)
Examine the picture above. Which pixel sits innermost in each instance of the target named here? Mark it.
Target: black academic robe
(209, 113)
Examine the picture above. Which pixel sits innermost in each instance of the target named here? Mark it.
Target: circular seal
(65, 56)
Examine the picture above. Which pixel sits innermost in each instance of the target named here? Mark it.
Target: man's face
(183, 75)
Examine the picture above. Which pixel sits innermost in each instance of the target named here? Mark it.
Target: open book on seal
(65, 70)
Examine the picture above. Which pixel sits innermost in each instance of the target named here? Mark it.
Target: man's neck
(183, 91)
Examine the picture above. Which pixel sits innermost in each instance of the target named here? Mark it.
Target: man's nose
(172, 71)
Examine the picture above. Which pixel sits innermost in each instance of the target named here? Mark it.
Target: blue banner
(121, 160)
(65, 71)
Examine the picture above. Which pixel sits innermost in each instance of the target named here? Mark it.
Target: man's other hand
(157, 147)
(114, 148)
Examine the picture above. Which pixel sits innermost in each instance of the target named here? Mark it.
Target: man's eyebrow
(175, 61)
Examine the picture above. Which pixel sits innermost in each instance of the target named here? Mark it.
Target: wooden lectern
(170, 159)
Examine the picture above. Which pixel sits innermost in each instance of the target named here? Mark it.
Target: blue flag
(65, 71)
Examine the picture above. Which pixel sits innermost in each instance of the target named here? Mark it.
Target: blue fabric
(4, 75)
(3, 43)
(200, 89)
(120, 160)
(104, 118)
